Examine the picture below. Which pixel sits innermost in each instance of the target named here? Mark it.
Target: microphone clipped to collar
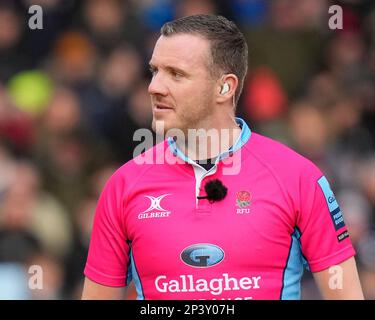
(215, 191)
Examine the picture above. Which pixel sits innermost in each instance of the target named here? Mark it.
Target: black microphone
(215, 191)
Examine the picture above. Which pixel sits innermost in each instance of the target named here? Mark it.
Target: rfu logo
(243, 201)
(155, 209)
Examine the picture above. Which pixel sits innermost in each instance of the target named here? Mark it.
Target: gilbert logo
(155, 209)
(243, 200)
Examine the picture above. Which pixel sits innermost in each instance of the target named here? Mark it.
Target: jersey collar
(241, 140)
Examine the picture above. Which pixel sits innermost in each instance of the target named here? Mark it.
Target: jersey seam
(286, 265)
(309, 220)
(127, 194)
(276, 178)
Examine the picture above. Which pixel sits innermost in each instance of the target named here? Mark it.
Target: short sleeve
(324, 236)
(108, 256)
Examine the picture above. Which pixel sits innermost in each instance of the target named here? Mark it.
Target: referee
(228, 215)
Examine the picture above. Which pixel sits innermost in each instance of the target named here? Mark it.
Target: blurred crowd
(73, 93)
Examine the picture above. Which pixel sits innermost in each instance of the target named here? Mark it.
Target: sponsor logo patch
(343, 235)
(334, 209)
(202, 255)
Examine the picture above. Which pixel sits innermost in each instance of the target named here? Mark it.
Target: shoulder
(280, 158)
(137, 167)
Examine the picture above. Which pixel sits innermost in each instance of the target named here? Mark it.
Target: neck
(210, 139)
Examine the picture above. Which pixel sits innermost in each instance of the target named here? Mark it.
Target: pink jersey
(278, 216)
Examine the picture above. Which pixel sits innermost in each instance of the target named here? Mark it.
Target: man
(239, 226)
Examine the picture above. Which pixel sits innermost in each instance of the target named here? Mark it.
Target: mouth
(161, 107)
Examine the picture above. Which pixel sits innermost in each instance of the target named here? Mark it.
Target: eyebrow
(169, 68)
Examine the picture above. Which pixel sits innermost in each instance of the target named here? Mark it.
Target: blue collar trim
(242, 139)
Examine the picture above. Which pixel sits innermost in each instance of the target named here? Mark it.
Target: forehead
(183, 50)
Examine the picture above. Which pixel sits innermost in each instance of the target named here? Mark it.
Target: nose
(157, 86)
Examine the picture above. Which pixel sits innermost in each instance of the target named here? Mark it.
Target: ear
(226, 88)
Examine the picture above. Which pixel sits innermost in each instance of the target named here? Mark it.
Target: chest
(251, 226)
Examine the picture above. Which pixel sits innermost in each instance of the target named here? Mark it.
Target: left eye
(176, 75)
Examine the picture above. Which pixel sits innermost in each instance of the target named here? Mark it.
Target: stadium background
(72, 94)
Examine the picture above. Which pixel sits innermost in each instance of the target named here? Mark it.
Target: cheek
(195, 96)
